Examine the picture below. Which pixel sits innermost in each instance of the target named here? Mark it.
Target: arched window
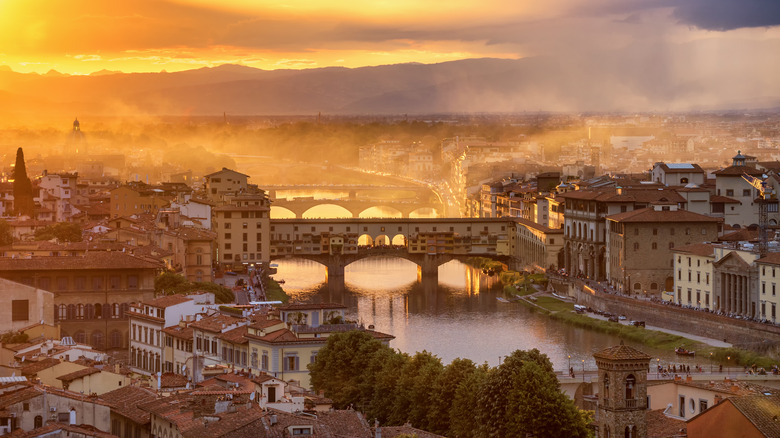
(123, 308)
(115, 310)
(637, 286)
(97, 339)
(606, 386)
(630, 382)
(89, 310)
(683, 180)
(654, 286)
(80, 311)
(38, 422)
(98, 311)
(115, 339)
(80, 337)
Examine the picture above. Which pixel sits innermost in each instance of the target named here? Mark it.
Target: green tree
(386, 387)
(413, 392)
(6, 236)
(23, 191)
(522, 395)
(170, 283)
(443, 393)
(62, 231)
(340, 364)
(465, 404)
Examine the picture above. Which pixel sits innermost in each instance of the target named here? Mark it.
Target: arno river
(457, 317)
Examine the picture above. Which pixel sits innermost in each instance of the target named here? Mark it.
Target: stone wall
(741, 333)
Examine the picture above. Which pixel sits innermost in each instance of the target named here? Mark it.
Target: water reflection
(458, 316)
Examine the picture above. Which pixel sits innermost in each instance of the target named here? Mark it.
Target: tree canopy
(23, 191)
(171, 283)
(62, 231)
(6, 236)
(519, 397)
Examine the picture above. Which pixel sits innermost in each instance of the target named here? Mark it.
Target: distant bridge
(428, 243)
(356, 198)
(299, 206)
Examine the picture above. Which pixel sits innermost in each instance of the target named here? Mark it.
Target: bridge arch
(399, 240)
(279, 212)
(381, 211)
(424, 212)
(327, 210)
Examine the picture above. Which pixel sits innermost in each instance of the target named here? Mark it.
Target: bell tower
(622, 392)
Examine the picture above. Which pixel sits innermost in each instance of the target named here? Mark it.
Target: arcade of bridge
(299, 207)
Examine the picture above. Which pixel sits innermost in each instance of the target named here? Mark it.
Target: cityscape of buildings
(677, 210)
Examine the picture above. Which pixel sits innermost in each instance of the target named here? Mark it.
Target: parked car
(638, 323)
(613, 318)
(622, 317)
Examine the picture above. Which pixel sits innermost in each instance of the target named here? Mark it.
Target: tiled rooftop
(621, 352)
(125, 401)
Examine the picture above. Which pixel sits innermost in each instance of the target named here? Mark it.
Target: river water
(457, 317)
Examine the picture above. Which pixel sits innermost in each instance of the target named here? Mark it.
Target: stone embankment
(743, 334)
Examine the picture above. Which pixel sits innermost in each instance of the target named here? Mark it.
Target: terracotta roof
(35, 367)
(627, 195)
(224, 170)
(761, 410)
(51, 429)
(125, 401)
(235, 336)
(243, 422)
(621, 352)
(738, 171)
(179, 332)
(741, 235)
(19, 395)
(265, 322)
(78, 374)
(172, 380)
(310, 306)
(699, 249)
(722, 199)
(661, 426)
(167, 301)
(215, 323)
(652, 215)
(773, 258)
(89, 260)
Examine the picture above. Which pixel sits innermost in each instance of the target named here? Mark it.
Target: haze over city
(396, 219)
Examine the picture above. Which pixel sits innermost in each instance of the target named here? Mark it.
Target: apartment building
(243, 230)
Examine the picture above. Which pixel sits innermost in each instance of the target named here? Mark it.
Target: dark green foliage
(6, 236)
(519, 397)
(23, 191)
(14, 338)
(170, 283)
(62, 231)
(340, 365)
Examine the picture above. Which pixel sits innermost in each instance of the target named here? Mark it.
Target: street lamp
(658, 368)
(710, 362)
(583, 370)
(728, 366)
(570, 373)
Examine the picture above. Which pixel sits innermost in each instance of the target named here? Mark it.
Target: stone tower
(622, 392)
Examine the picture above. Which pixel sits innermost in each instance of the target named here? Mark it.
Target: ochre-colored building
(641, 243)
(243, 230)
(92, 292)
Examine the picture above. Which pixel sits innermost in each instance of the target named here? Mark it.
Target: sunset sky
(84, 36)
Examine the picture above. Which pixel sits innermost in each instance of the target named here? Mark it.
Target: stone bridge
(428, 243)
(299, 206)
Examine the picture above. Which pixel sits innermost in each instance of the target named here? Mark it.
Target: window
(228, 236)
(291, 363)
(655, 231)
(687, 231)
(228, 245)
(97, 283)
(20, 309)
(745, 192)
(636, 246)
(132, 282)
(729, 192)
(671, 245)
(702, 405)
(114, 282)
(655, 245)
(264, 362)
(636, 231)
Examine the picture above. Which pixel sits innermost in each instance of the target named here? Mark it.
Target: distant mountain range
(467, 86)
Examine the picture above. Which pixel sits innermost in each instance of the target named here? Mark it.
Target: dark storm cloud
(725, 15)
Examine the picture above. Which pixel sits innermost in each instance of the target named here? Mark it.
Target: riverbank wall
(742, 334)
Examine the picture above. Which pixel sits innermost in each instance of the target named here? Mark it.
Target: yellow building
(693, 278)
(128, 200)
(243, 228)
(224, 182)
(769, 284)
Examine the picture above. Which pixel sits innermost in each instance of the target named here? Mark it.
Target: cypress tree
(23, 193)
